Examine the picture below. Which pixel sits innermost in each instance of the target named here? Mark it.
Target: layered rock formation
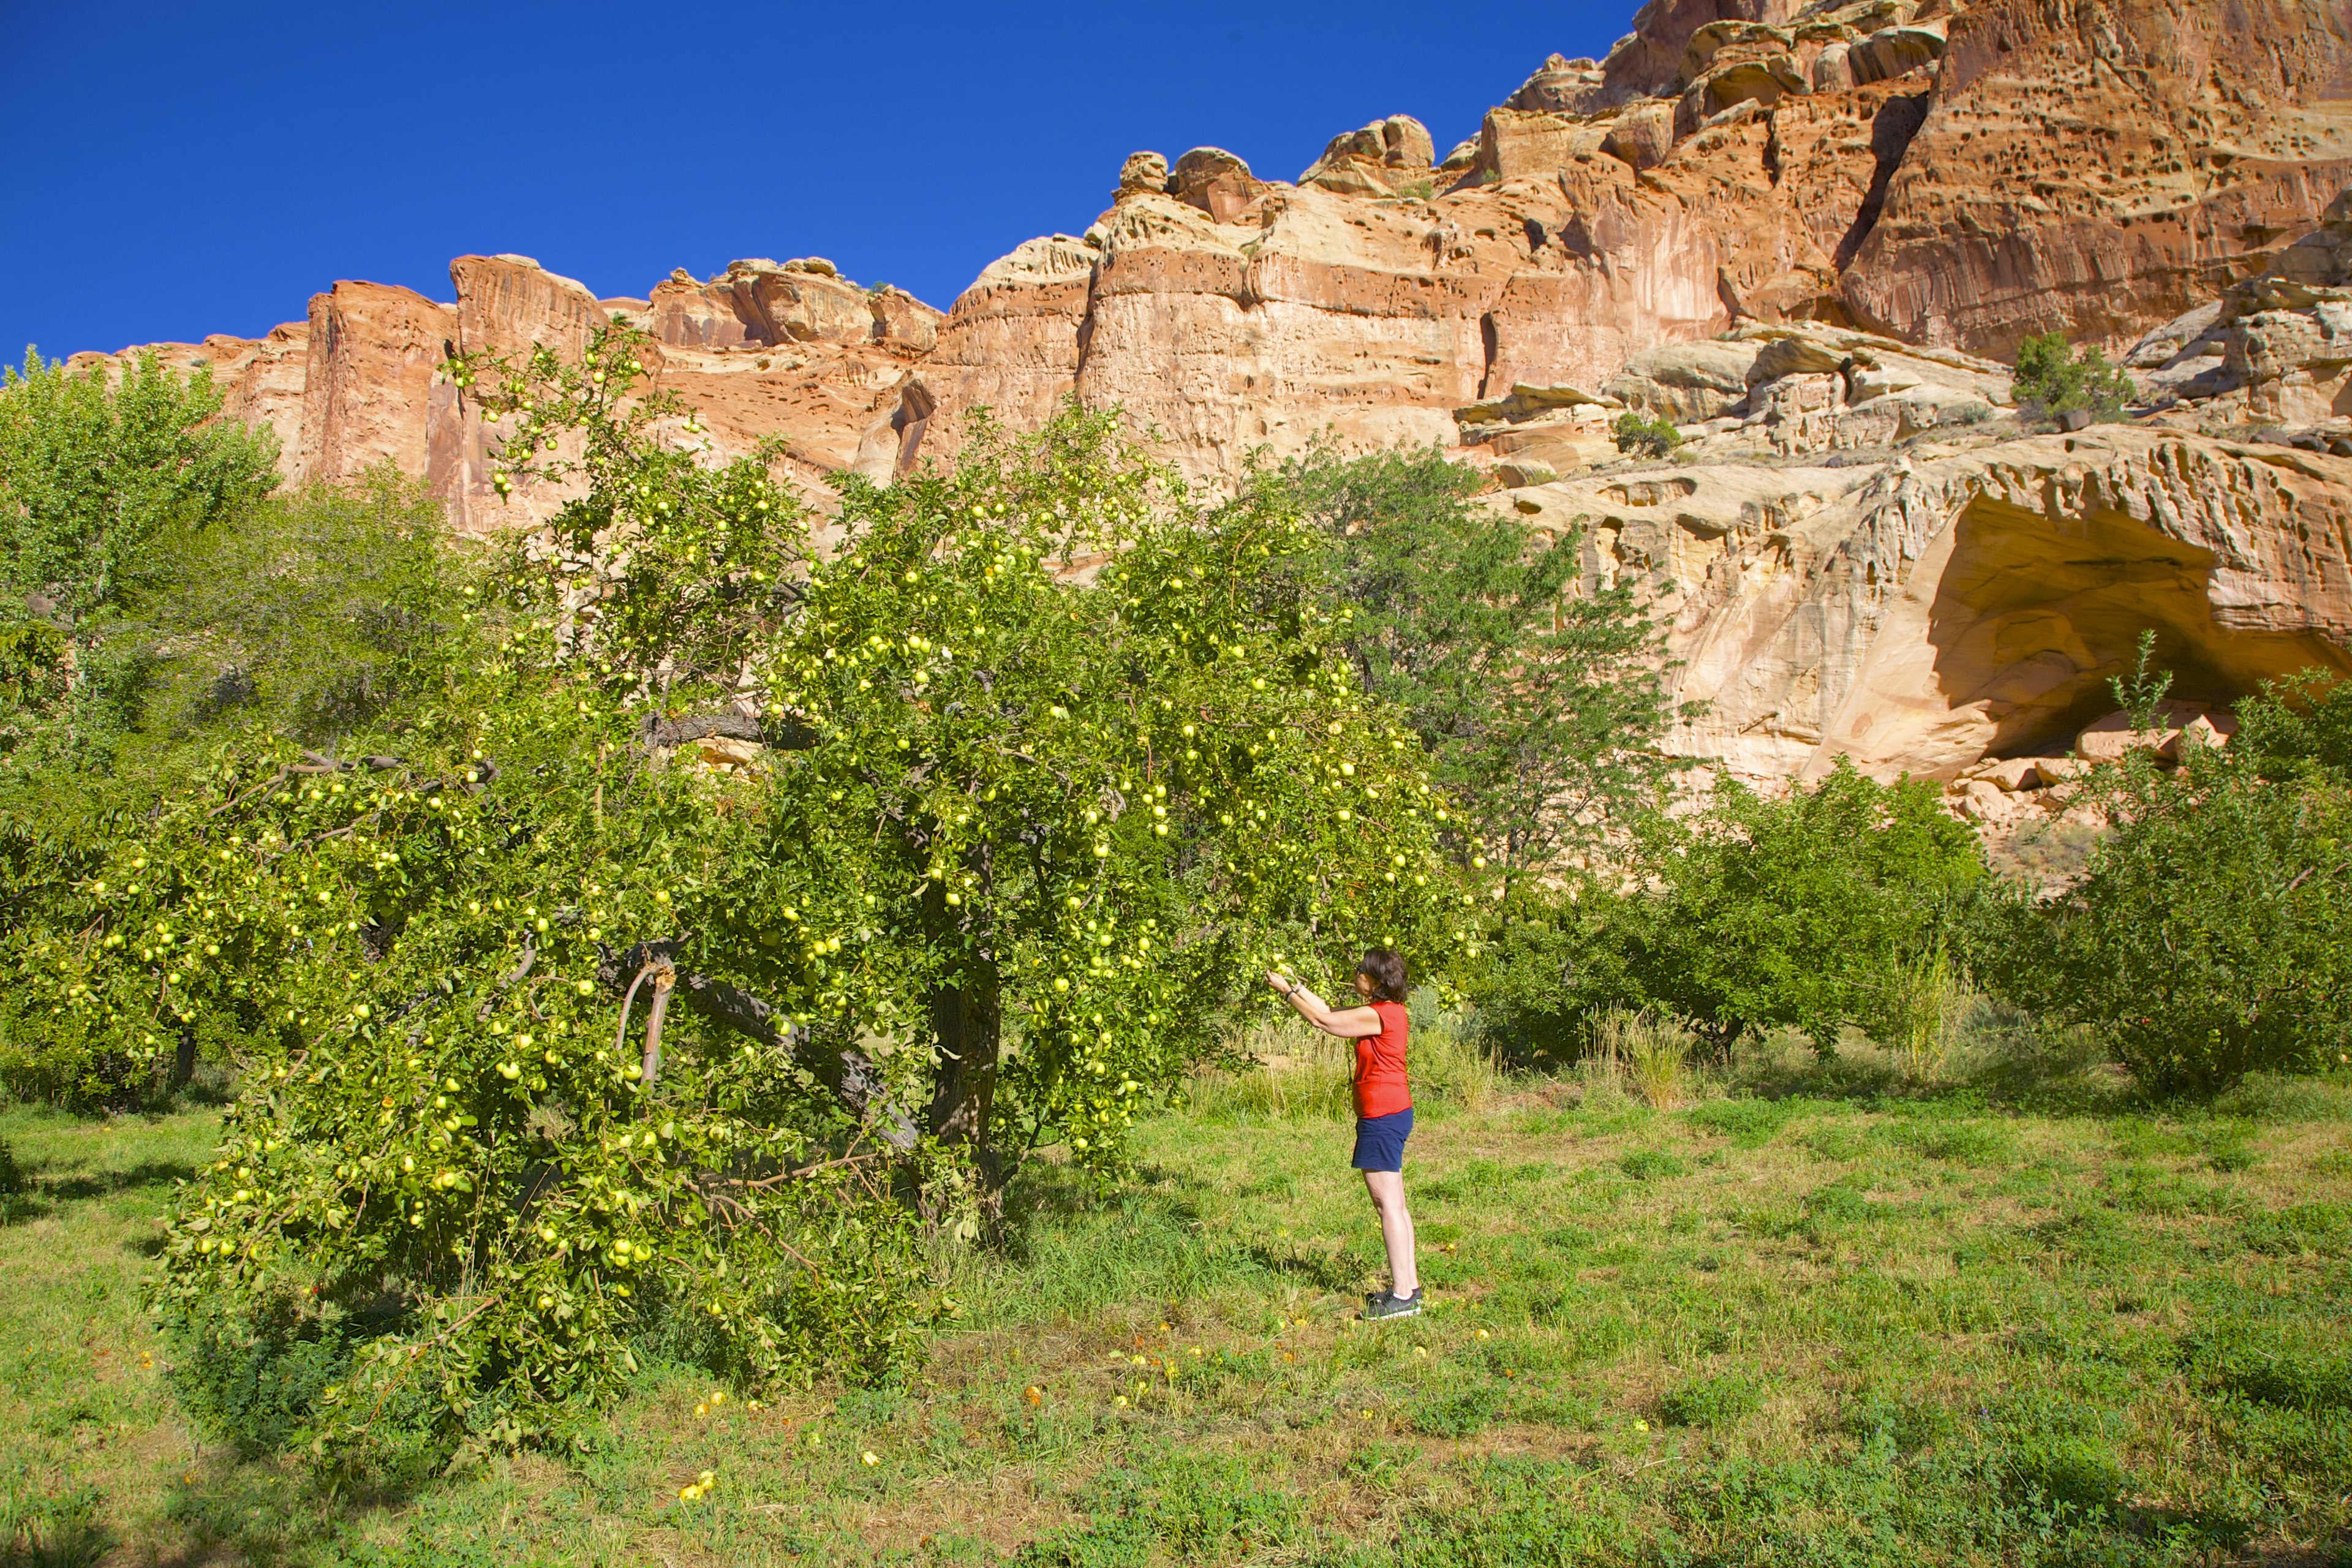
(1952, 174)
(1803, 234)
(1922, 611)
(763, 349)
(2095, 166)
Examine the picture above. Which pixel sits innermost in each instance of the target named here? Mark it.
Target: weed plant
(1652, 1051)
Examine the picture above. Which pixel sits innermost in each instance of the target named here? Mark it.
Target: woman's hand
(1278, 982)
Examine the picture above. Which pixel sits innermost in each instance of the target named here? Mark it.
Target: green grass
(1849, 1325)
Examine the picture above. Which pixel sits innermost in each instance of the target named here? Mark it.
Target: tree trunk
(966, 1024)
(184, 1062)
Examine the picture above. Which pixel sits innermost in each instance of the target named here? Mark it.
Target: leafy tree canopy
(1538, 697)
(94, 476)
(745, 908)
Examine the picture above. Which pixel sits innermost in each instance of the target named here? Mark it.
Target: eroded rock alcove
(2034, 613)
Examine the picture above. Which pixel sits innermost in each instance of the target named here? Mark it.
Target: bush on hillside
(2053, 379)
(1638, 435)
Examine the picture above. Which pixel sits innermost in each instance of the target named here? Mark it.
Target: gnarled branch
(853, 1077)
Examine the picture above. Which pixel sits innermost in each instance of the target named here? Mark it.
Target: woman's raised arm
(1347, 1022)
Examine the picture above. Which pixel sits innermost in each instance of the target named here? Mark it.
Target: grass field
(1818, 1319)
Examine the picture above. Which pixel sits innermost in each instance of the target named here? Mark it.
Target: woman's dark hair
(1385, 965)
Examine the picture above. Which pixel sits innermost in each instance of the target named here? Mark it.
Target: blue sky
(173, 170)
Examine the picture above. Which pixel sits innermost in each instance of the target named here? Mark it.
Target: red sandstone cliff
(1787, 227)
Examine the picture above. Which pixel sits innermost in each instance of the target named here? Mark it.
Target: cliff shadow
(2034, 615)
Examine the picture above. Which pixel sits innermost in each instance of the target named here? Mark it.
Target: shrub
(2299, 727)
(1799, 912)
(1652, 437)
(2054, 379)
(2212, 934)
(1551, 961)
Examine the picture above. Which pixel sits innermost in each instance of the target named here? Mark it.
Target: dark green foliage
(1724, 1399)
(2209, 938)
(1654, 436)
(257, 1379)
(313, 617)
(97, 482)
(1650, 1165)
(2298, 727)
(2210, 935)
(2054, 380)
(104, 492)
(1799, 912)
(1536, 696)
(1550, 961)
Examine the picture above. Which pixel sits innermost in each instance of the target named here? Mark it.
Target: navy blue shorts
(1379, 1140)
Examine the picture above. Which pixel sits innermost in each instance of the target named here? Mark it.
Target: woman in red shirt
(1383, 1107)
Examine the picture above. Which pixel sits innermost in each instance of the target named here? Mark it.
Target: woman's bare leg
(1387, 1188)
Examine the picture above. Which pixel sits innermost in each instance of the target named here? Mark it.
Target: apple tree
(752, 909)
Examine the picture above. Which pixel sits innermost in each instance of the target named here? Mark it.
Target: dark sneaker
(1388, 1305)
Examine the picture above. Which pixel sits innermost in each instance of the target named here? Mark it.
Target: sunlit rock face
(2098, 167)
(1920, 613)
(1807, 236)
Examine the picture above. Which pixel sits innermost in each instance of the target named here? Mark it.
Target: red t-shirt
(1381, 1088)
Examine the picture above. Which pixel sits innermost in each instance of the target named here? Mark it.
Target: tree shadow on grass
(2002, 1059)
(1043, 1194)
(102, 1184)
(264, 1512)
(40, 1195)
(76, 1545)
(1337, 1271)
(53, 1530)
